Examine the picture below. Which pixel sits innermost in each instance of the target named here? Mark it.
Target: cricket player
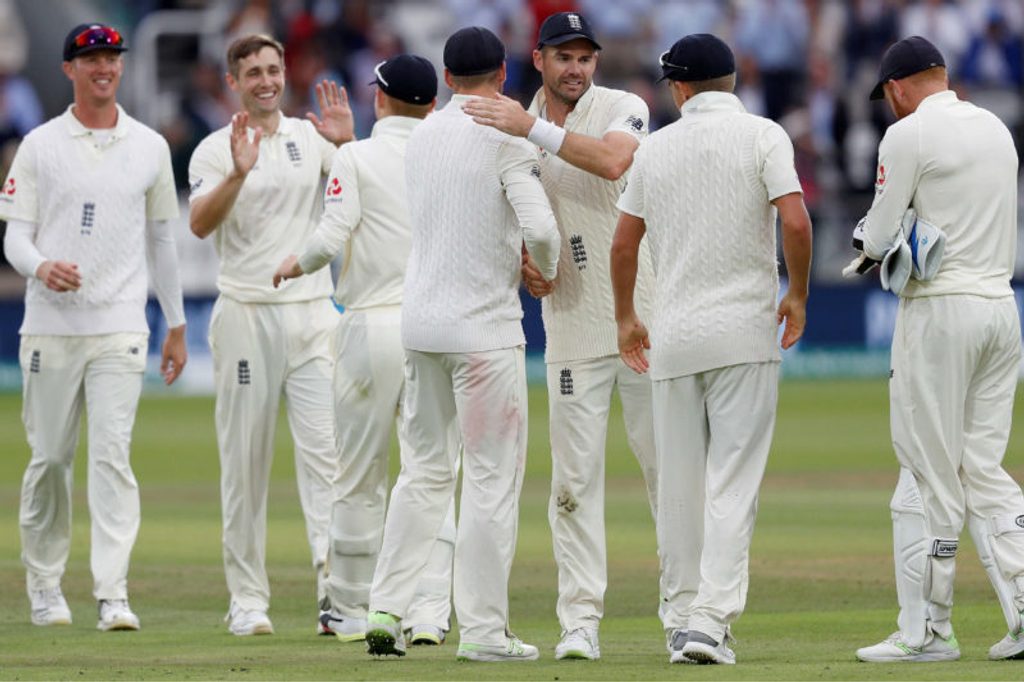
(587, 135)
(706, 190)
(366, 217)
(87, 204)
(255, 185)
(955, 353)
(474, 199)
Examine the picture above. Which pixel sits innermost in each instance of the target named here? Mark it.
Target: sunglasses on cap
(667, 64)
(98, 35)
(376, 72)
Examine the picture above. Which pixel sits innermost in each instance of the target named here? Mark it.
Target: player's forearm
(322, 247)
(624, 264)
(20, 249)
(597, 156)
(797, 251)
(210, 210)
(162, 255)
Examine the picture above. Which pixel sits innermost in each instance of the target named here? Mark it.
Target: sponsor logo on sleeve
(195, 186)
(636, 123)
(332, 193)
(880, 180)
(7, 193)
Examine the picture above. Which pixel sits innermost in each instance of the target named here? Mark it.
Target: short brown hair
(725, 83)
(251, 44)
(474, 81)
(400, 108)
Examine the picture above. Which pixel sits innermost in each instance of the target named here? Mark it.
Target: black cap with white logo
(905, 58)
(472, 51)
(407, 77)
(697, 57)
(565, 26)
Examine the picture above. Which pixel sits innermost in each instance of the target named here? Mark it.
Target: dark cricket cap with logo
(697, 57)
(91, 37)
(407, 77)
(905, 58)
(472, 51)
(565, 26)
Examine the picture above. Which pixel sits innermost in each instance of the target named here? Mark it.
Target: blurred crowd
(808, 64)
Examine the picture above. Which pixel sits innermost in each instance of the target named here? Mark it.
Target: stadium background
(807, 63)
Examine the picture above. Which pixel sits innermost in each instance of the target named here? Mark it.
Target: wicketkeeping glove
(861, 264)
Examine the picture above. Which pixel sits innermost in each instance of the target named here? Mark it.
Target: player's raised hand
(633, 341)
(244, 151)
(338, 124)
(792, 309)
(503, 113)
(59, 275)
(173, 355)
(288, 269)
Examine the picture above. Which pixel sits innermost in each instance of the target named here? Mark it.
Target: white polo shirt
(955, 164)
(277, 209)
(367, 215)
(90, 194)
(579, 315)
(703, 185)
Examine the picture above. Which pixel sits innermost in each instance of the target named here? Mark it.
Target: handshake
(917, 252)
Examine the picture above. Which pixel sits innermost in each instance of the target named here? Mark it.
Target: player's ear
(538, 59)
(230, 80)
(68, 69)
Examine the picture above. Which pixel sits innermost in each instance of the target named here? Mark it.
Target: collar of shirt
(457, 101)
(285, 126)
(400, 126)
(77, 129)
(712, 102)
(938, 99)
(540, 105)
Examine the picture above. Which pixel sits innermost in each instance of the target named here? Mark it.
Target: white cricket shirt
(277, 209)
(955, 164)
(367, 215)
(474, 200)
(90, 195)
(703, 185)
(579, 315)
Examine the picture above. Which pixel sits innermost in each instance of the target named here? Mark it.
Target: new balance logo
(579, 252)
(565, 381)
(535, 171)
(33, 365)
(293, 152)
(244, 375)
(635, 122)
(88, 217)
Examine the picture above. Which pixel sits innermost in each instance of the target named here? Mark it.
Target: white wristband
(546, 135)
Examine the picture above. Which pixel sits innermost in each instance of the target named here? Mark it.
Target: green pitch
(821, 567)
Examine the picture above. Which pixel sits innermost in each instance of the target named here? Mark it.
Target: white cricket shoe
(894, 650)
(115, 614)
(1010, 647)
(513, 650)
(384, 635)
(578, 644)
(428, 635)
(700, 648)
(247, 622)
(49, 607)
(675, 647)
(344, 628)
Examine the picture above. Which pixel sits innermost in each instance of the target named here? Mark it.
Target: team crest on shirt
(332, 193)
(565, 382)
(88, 217)
(636, 123)
(579, 251)
(294, 155)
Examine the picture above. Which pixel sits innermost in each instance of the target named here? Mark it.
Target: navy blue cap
(905, 58)
(565, 26)
(91, 37)
(472, 51)
(407, 77)
(697, 57)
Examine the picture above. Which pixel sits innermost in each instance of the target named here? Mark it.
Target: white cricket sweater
(474, 199)
(579, 315)
(955, 164)
(90, 197)
(703, 185)
(367, 215)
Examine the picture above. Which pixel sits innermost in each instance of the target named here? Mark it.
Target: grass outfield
(821, 568)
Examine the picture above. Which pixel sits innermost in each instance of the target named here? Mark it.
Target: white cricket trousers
(369, 376)
(60, 376)
(713, 431)
(955, 363)
(579, 398)
(260, 350)
(485, 393)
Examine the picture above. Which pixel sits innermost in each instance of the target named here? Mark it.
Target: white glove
(861, 264)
